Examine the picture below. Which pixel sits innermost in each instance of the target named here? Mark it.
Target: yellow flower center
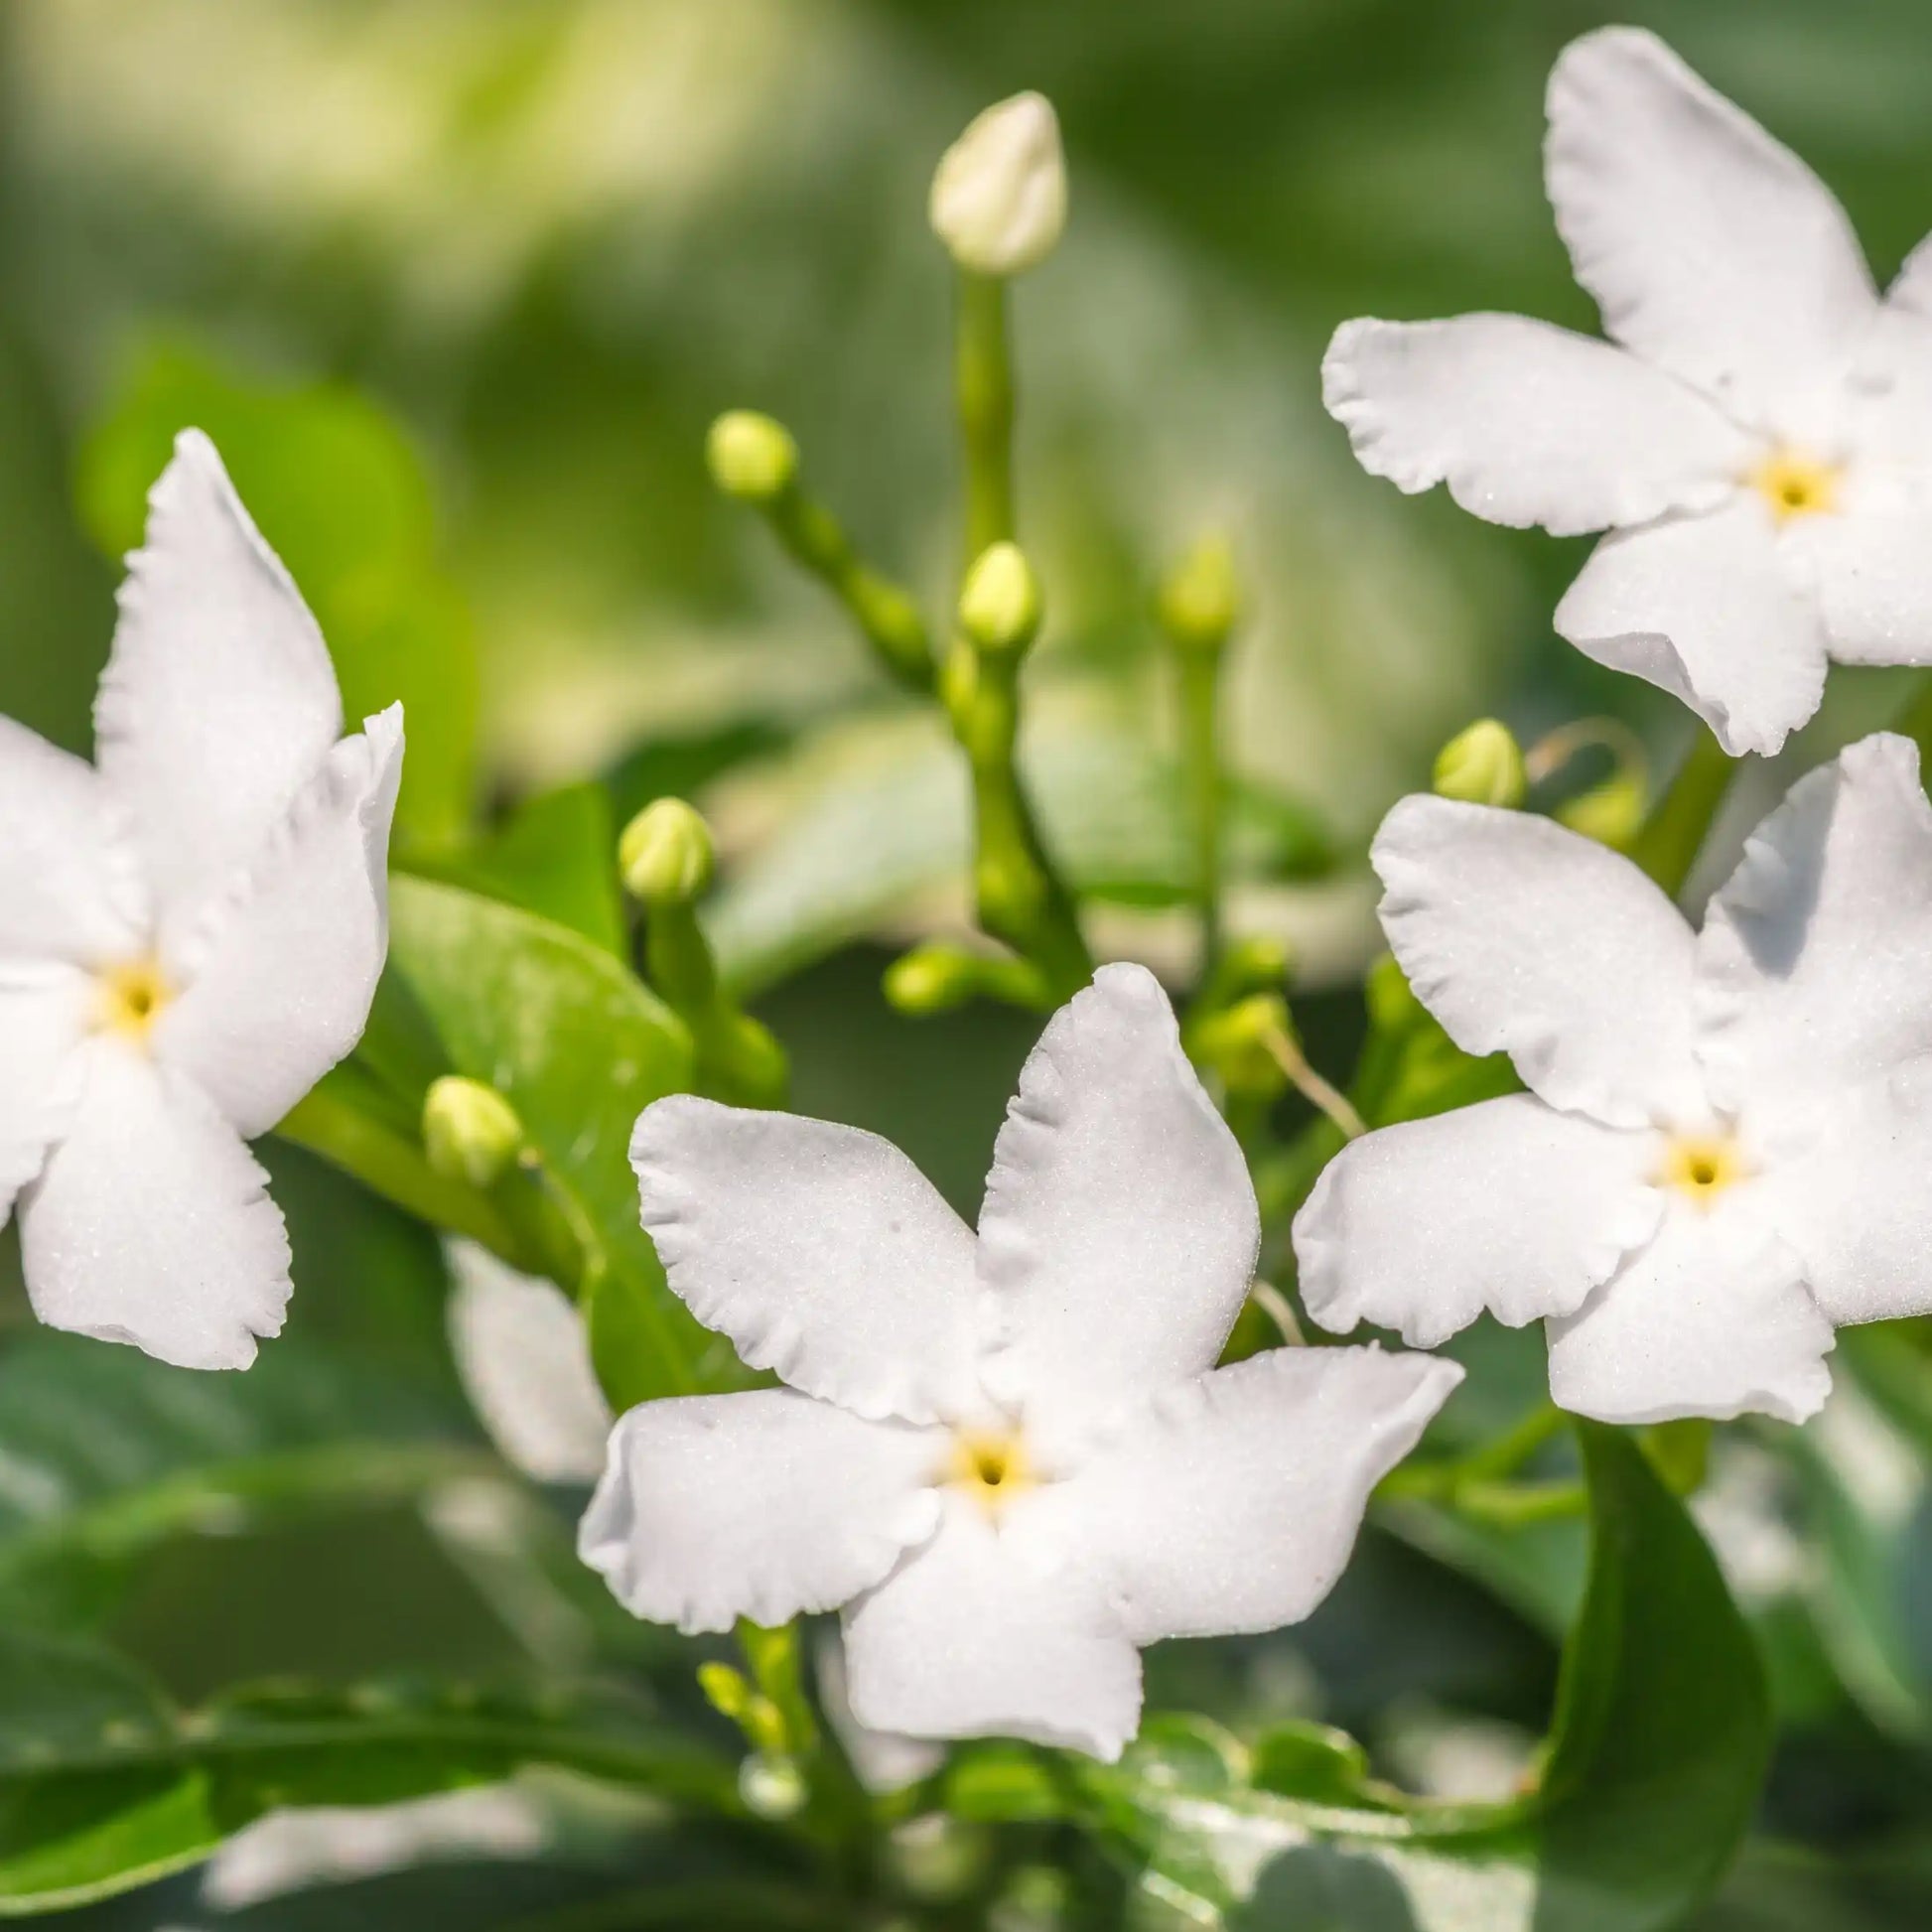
(1796, 484)
(129, 999)
(1702, 1166)
(990, 1465)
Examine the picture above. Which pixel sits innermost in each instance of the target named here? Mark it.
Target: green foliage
(1653, 1770)
(344, 500)
(106, 1784)
(579, 1048)
(107, 1455)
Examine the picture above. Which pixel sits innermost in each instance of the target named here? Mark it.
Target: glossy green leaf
(579, 1048)
(344, 500)
(105, 1454)
(105, 1784)
(555, 855)
(877, 819)
(1659, 1747)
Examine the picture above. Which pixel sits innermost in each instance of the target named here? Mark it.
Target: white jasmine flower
(1725, 1147)
(190, 933)
(1758, 444)
(1012, 1460)
(999, 195)
(525, 1358)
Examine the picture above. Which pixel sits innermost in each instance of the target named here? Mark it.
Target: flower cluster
(1012, 1457)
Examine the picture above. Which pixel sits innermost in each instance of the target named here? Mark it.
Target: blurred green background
(458, 284)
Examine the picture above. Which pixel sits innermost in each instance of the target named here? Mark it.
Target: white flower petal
(1527, 423)
(1712, 1318)
(66, 891)
(524, 1358)
(278, 972)
(764, 1504)
(1527, 938)
(1507, 1206)
(1228, 1505)
(1857, 1204)
(981, 1634)
(1711, 248)
(1703, 608)
(45, 1013)
(820, 1249)
(1874, 577)
(1119, 1228)
(1886, 403)
(219, 700)
(1814, 966)
(149, 1223)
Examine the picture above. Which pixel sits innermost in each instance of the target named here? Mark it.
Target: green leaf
(557, 856)
(1659, 1747)
(876, 818)
(1664, 1719)
(106, 1454)
(345, 501)
(104, 1785)
(579, 1048)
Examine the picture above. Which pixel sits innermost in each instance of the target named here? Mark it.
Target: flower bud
(771, 1787)
(999, 195)
(1197, 600)
(933, 978)
(1482, 765)
(471, 1133)
(751, 457)
(725, 1688)
(665, 854)
(1612, 813)
(999, 605)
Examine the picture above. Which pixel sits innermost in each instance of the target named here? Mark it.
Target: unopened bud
(471, 1133)
(933, 978)
(1482, 765)
(1612, 813)
(726, 1690)
(1235, 1043)
(1000, 605)
(752, 456)
(771, 1787)
(665, 854)
(999, 195)
(1198, 600)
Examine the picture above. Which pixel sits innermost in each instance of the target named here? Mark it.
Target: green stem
(394, 1168)
(983, 379)
(885, 615)
(1020, 895)
(1675, 831)
(1200, 757)
(738, 1060)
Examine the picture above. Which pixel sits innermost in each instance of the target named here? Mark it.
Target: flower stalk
(666, 859)
(754, 458)
(983, 388)
(1197, 604)
(1021, 898)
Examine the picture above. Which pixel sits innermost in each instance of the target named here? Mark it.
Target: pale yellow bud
(1482, 765)
(999, 195)
(471, 1133)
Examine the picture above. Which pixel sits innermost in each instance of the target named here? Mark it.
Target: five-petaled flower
(1725, 1147)
(1012, 1460)
(190, 933)
(1760, 445)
